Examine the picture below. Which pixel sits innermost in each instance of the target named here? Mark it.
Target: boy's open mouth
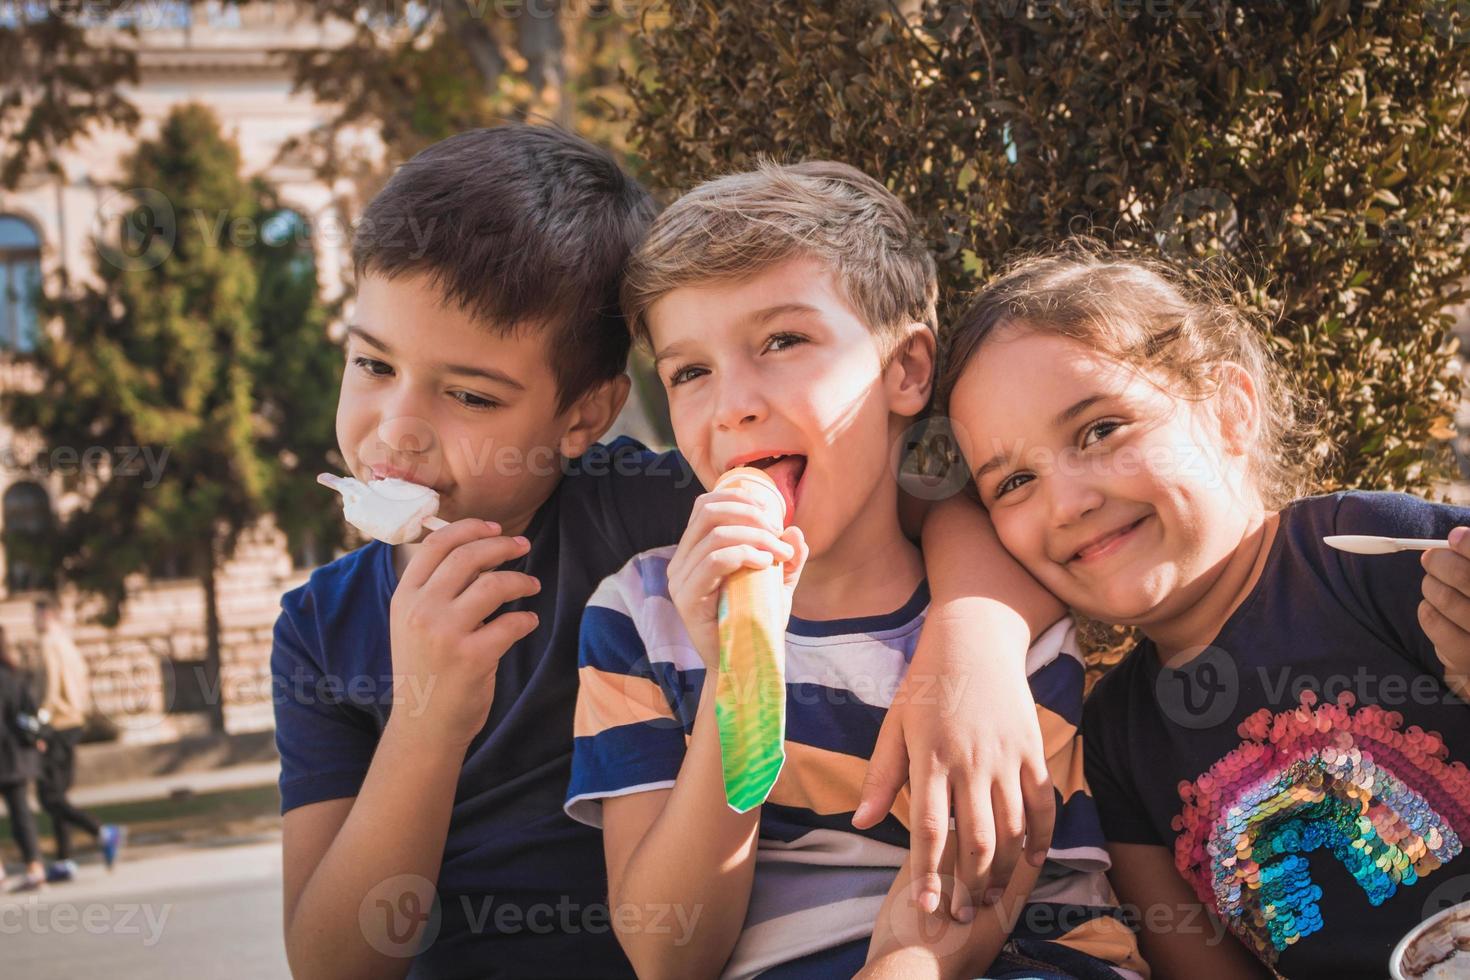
(785, 470)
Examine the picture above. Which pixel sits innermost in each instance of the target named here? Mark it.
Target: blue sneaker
(61, 871)
(112, 838)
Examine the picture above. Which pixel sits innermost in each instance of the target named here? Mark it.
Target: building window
(28, 527)
(20, 284)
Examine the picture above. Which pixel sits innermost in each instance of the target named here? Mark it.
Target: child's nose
(1073, 497)
(406, 434)
(739, 405)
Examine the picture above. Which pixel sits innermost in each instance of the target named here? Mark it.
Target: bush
(1321, 149)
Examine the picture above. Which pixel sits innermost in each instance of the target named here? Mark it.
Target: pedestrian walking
(20, 764)
(66, 703)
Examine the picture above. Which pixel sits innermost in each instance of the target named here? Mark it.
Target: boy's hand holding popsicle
(731, 527)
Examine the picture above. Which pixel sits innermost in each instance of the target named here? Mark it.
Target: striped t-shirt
(819, 882)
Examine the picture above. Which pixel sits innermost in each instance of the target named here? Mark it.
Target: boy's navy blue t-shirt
(523, 887)
(1320, 826)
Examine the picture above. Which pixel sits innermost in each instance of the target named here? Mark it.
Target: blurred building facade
(225, 57)
(219, 55)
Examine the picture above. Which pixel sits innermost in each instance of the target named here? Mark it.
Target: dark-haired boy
(426, 692)
(424, 762)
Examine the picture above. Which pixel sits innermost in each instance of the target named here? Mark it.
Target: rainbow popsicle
(750, 693)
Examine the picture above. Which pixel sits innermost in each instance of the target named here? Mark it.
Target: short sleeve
(1120, 809)
(647, 495)
(628, 737)
(1388, 588)
(325, 747)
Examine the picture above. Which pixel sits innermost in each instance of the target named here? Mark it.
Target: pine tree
(187, 343)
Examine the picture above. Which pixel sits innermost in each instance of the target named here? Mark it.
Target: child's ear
(909, 376)
(592, 415)
(1237, 407)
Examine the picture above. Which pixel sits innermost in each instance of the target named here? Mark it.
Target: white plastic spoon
(1372, 544)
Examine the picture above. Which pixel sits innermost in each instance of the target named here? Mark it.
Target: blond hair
(738, 225)
(1151, 316)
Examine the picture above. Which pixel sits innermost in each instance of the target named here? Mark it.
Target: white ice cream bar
(394, 511)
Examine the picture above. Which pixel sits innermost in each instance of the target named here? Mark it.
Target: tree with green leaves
(1320, 148)
(412, 72)
(199, 346)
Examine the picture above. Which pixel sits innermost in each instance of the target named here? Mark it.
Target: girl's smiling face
(1121, 498)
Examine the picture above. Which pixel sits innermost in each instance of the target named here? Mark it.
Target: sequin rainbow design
(1382, 801)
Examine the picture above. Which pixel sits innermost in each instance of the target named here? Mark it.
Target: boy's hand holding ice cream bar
(394, 511)
(731, 580)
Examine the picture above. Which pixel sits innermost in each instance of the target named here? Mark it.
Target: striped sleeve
(1056, 672)
(629, 733)
(1072, 904)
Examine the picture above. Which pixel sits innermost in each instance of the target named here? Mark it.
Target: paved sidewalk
(206, 912)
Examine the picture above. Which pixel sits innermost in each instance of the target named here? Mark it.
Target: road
(207, 912)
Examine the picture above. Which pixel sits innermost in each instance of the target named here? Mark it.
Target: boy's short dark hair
(524, 228)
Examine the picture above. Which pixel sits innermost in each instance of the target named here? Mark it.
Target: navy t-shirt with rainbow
(1308, 769)
(522, 890)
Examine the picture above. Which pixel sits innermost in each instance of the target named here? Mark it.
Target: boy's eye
(370, 366)
(781, 341)
(469, 400)
(683, 374)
